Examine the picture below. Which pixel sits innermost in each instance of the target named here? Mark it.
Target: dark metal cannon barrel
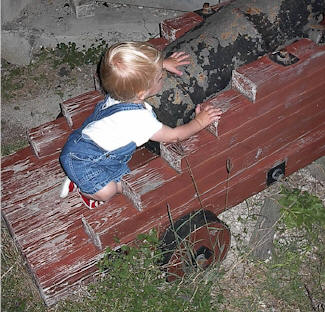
(237, 34)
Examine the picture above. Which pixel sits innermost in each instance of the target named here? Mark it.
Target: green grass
(15, 78)
(134, 282)
(11, 148)
(18, 292)
(75, 56)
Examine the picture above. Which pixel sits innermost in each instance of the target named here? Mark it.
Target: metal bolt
(206, 8)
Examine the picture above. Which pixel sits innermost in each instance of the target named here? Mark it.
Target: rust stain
(253, 11)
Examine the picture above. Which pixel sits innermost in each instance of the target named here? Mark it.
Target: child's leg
(107, 192)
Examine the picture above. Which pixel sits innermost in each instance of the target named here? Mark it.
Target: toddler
(95, 156)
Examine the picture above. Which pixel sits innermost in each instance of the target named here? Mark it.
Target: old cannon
(226, 38)
(251, 58)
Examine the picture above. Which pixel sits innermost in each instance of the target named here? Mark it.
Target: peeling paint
(237, 34)
(91, 233)
(244, 85)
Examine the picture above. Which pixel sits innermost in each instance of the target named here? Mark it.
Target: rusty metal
(206, 8)
(283, 57)
(317, 28)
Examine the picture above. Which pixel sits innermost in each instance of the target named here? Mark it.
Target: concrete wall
(182, 5)
(11, 9)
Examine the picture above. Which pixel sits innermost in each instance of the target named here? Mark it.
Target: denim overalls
(88, 165)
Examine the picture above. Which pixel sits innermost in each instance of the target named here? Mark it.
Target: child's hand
(175, 60)
(208, 115)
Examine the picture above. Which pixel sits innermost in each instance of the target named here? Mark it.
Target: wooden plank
(77, 109)
(240, 122)
(140, 157)
(159, 43)
(126, 225)
(310, 152)
(308, 147)
(248, 153)
(286, 95)
(59, 290)
(23, 177)
(145, 185)
(49, 137)
(262, 77)
(34, 211)
(48, 231)
(62, 245)
(116, 228)
(173, 28)
(65, 267)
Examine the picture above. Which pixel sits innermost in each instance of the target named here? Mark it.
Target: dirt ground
(33, 96)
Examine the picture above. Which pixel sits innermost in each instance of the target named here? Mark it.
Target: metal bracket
(276, 173)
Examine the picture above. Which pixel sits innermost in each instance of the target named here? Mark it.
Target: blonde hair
(129, 68)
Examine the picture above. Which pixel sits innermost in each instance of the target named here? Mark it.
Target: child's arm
(175, 60)
(202, 120)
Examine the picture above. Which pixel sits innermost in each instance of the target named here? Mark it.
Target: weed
(10, 84)
(17, 292)
(74, 56)
(8, 149)
(134, 282)
(299, 251)
(16, 78)
(302, 210)
(59, 93)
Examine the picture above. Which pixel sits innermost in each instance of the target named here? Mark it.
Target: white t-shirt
(123, 127)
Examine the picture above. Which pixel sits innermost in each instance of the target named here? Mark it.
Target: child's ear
(142, 95)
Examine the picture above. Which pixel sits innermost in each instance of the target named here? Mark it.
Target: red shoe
(90, 203)
(67, 187)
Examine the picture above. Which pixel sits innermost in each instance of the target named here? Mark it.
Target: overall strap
(120, 107)
(102, 112)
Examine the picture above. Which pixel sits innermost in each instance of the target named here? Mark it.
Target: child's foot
(90, 203)
(67, 187)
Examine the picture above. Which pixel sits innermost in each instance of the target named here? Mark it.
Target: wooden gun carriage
(272, 125)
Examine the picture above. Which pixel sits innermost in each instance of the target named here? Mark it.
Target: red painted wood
(174, 153)
(304, 48)
(287, 96)
(29, 224)
(248, 153)
(77, 109)
(49, 137)
(159, 43)
(240, 121)
(141, 156)
(145, 185)
(173, 28)
(262, 77)
(129, 222)
(70, 285)
(45, 229)
(156, 215)
(285, 125)
(308, 148)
